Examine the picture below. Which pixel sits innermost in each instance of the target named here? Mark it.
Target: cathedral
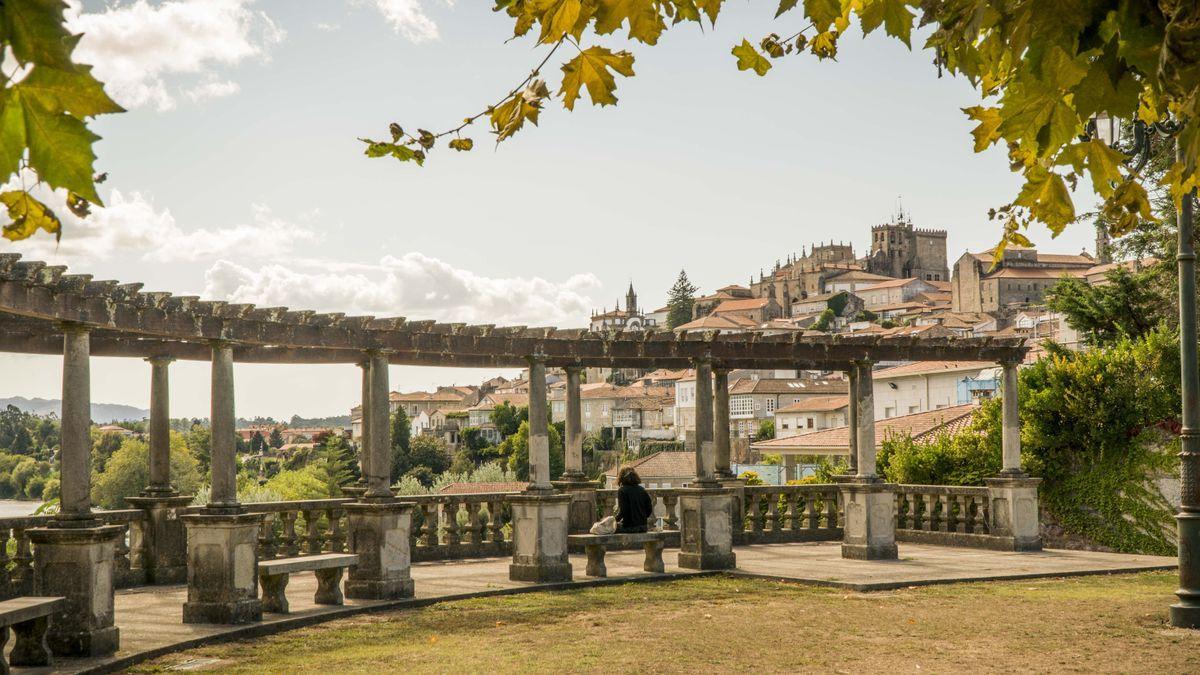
(630, 318)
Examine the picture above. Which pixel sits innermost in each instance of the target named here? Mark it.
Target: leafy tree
(430, 452)
(1044, 70)
(43, 114)
(680, 301)
(825, 321)
(257, 443)
(334, 464)
(516, 449)
(276, 439)
(401, 433)
(198, 440)
(127, 472)
(103, 447)
(508, 418)
(766, 431)
(751, 478)
(1128, 305)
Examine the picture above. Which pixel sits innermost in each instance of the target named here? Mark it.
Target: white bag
(607, 525)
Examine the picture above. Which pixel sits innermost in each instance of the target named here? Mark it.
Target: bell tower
(631, 301)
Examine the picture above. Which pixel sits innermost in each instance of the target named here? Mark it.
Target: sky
(237, 174)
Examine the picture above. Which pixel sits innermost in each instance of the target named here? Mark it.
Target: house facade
(923, 386)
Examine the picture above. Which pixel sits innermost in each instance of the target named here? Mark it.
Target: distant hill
(102, 413)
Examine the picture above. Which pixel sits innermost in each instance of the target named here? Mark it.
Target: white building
(819, 412)
(931, 385)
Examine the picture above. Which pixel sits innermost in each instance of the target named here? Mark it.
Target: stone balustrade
(305, 527)
(461, 526)
(16, 550)
(784, 513)
(942, 514)
(666, 507)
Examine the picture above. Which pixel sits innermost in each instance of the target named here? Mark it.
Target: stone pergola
(44, 310)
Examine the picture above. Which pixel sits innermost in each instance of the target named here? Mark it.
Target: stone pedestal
(163, 547)
(379, 534)
(869, 530)
(581, 513)
(1013, 502)
(222, 569)
(737, 503)
(77, 563)
(540, 524)
(705, 529)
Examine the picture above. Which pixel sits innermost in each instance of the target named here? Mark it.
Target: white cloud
(213, 89)
(130, 226)
(139, 49)
(408, 18)
(414, 285)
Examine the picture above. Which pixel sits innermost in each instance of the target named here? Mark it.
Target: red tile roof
(741, 305)
(931, 368)
(817, 404)
(477, 488)
(663, 465)
(788, 386)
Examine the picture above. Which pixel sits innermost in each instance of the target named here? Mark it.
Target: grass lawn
(1082, 624)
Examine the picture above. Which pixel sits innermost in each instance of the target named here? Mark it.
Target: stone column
(1013, 495)
(73, 556)
(852, 417)
(869, 530)
(379, 524)
(163, 549)
(364, 441)
(222, 542)
(573, 481)
(721, 423)
(76, 444)
(540, 516)
(705, 507)
(705, 459)
(379, 453)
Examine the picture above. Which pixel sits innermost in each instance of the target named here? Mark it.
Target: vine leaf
(894, 15)
(60, 150)
(987, 132)
(28, 215)
(748, 58)
(593, 68)
(508, 117)
(645, 22)
(1046, 196)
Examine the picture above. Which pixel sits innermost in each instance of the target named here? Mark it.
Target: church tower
(631, 307)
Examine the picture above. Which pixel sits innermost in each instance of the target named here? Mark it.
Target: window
(771, 405)
(914, 409)
(810, 423)
(741, 405)
(889, 411)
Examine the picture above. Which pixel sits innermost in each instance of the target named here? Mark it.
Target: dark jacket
(634, 508)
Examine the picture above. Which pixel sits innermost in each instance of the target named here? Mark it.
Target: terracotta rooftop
(890, 283)
(856, 275)
(817, 404)
(492, 400)
(719, 322)
(741, 305)
(931, 368)
(917, 425)
(663, 465)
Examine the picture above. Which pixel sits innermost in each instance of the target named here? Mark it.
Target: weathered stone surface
(706, 529)
(1014, 510)
(163, 546)
(77, 564)
(582, 510)
(379, 536)
(869, 532)
(540, 538)
(222, 569)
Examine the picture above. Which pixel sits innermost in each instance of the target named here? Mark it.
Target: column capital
(219, 343)
(536, 357)
(159, 359)
(72, 327)
(1011, 363)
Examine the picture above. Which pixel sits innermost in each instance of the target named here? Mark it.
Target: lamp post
(1186, 612)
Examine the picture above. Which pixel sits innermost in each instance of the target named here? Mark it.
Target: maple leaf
(894, 15)
(28, 215)
(1046, 196)
(591, 69)
(822, 12)
(989, 122)
(73, 91)
(60, 150)
(749, 58)
(508, 117)
(645, 22)
(560, 18)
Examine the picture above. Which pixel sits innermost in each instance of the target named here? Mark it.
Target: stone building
(704, 305)
(758, 310)
(900, 251)
(1020, 278)
(630, 318)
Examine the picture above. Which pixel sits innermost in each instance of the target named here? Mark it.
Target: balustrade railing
(782, 513)
(305, 527)
(475, 525)
(16, 550)
(933, 510)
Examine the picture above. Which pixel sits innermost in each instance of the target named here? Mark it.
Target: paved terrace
(150, 616)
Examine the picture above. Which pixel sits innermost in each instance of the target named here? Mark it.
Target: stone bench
(29, 618)
(596, 544)
(273, 575)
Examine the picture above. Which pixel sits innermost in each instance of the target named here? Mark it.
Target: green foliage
(1043, 69)
(276, 438)
(299, 484)
(127, 472)
(651, 447)
(751, 478)
(680, 301)
(198, 439)
(43, 116)
(508, 418)
(1128, 305)
(766, 431)
(965, 458)
(516, 449)
(401, 438)
(24, 433)
(825, 321)
(427, 455)
(772, 460)
(103, 447)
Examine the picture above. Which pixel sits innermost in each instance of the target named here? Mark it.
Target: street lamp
(1186, 612)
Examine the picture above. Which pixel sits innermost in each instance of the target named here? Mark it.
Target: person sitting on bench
(634, 506)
